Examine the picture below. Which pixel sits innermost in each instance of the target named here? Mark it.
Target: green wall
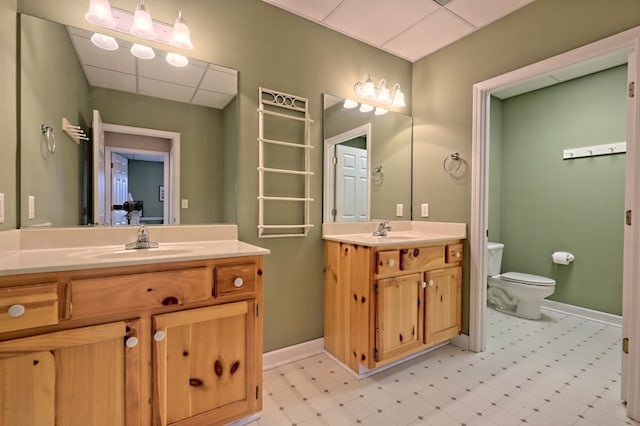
(144, 179)
(443, 82)
(549, 204)
(202, 144)
(8, 113)
(52, 86)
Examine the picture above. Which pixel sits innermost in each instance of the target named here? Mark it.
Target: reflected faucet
(382, 230)
(143, 241)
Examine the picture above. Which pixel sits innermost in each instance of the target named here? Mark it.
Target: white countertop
(58, 249)
(402, 233)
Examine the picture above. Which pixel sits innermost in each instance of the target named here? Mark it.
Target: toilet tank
(495, 258)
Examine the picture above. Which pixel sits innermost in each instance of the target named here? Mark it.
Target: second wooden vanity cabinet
(162, 344)
(387, 302)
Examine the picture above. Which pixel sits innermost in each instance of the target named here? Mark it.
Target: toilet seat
(527, 279)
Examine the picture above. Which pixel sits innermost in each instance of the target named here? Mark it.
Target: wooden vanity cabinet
(142, 345)
(384, 303)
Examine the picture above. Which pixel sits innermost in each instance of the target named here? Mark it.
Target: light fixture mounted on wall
(139, 24)
(367, 90)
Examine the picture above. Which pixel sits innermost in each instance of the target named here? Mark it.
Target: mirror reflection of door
(351, 194)
(119, 187)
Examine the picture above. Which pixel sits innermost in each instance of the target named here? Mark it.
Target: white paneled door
(119, 188)
(351, 184)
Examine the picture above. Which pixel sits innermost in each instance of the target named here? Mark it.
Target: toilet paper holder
(562, 257)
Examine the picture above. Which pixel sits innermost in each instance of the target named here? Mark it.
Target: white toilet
(513, 292)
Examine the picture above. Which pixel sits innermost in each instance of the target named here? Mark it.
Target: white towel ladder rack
(283, 105)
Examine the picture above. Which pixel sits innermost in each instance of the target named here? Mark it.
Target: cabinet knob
(424, 284)
(392, 262)
(132, 342)
(238, 282)
(16, 311)
(430, 283)
(159, 336)
(458, 254)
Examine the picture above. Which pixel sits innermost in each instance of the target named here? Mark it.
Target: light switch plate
(1, 207)
(399, 210)
(32, 207)
(185, 203)
(424, 210)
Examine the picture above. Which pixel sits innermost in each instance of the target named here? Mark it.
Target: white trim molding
(577, 311)
(293, 353)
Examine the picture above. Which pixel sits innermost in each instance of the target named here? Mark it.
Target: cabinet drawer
(28, 306)
(454, 253)
(422, 258)
(235, 280)
(388, 262)
(100, 296)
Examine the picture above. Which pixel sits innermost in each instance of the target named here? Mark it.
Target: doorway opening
(347, 194)
(600, 55)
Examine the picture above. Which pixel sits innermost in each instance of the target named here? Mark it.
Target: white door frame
(165, 178)
(589, 56)
(172, 208)
(330, 171)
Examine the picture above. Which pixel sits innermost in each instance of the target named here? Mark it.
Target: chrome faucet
(382, 230)
(143, 241)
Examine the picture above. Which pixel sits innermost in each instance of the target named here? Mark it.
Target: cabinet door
(399, 316)
(67, 378)
(205, 364)
(444, 300)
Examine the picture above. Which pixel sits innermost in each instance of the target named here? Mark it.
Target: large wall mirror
(168, 133)
(367, 163)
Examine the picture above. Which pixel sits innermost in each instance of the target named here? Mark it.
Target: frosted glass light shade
(142, 24)
(398, 97)
(176, 59)
(368, 90)
(99, 13)
(381, 111)
(104, 41)
(181, 36)
(349, 103)
(143, 52)
(383, 93)
(366, 108)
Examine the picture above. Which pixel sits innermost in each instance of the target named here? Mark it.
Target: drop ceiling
(199, 83)
(410, 29)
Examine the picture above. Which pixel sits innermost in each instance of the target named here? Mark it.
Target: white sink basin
(120, 253)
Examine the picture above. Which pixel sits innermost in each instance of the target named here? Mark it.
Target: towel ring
(47, 131)
(448, 163)
(377, 175)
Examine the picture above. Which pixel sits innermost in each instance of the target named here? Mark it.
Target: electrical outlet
(1, 207)
(424, 210)
(32, 207)
(399, 210)
(185, 203)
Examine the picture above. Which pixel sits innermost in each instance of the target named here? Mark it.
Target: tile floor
(562, 370)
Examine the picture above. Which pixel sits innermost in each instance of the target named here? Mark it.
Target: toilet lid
(519, 277)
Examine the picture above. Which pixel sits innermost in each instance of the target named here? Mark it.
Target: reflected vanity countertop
(402, 232)
(57, 249)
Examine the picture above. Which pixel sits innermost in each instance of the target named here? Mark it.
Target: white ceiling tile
(432, 33)
(174, 92)
(316, 9)
(158, 69)
(211, 99)
(481, 13)
(378, 21)
(117, 60)
(100, 77)
(220, 81)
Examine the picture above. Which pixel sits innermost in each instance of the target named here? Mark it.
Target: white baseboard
(577, 311)
(293, 353)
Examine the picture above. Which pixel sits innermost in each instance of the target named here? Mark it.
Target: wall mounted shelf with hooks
(75, 132)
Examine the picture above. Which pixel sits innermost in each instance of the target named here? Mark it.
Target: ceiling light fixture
(381, 94)
(104, 41)
(143, 52)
